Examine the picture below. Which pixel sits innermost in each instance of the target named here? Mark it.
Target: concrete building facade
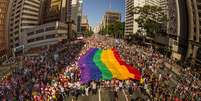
(155, 2)
(4, 7)
(56, 10)
(110, 17)
(96, 29)
(77, 6)
(131, 25)
(84, 24)
(24, 14)
(44, 35)
(130, 16)
(186, 37)
(194, 30)
(173, 28)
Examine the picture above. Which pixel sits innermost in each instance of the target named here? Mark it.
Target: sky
(95, 9)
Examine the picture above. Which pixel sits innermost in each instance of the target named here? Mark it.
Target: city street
(100, 50)
(63, 73)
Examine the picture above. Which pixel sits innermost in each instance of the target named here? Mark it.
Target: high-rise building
(176, 14)
(84, 24)
(177, 17)
(56, 10)
(110, 17)
(80, 7)
(77, 13)
(24, 14)
(75, 4)
(43, 35)
(3, 23)
(194, 30)
(97, 28)
(184, 30)
(131, 25)
(55, 25)
(162, 37)
(154, 2)
(160, 3)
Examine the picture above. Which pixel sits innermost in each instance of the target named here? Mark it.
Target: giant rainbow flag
(101, 64)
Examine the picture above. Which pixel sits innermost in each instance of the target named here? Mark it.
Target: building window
(16, 32)
(39, 38)
(30, 33)
(199, 7)
(17, 38)
(11, 40)
(30, 40)
(11, 46)
(199, 54)
(50, 36)
(29, 19)
(11, 35)
(50, 28)
(28, 24)
(17, 44)
(40, 31)
(62, 27)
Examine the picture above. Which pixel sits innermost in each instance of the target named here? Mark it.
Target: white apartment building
(131, 25)
(154, 2)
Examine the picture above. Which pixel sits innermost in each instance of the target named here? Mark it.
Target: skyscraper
(3, 23)
(154, 2)
(77, 13)
(176, 28)
(159, 3)
(56, 10)
(194, 30)
(176, 36)
(84, 24)
(24, 14)
(131, 25)
(55, 25)
(110, 17)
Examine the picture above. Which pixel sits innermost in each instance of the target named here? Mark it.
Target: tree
(89, 33)
(115, 29)
(151, 19)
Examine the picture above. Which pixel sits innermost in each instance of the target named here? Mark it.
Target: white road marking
(125, 95)
(99, 93)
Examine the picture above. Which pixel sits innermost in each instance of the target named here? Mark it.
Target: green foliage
(89, 33)
(151, 19)
(115, 29)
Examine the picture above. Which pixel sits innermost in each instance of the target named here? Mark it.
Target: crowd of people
(159, 81)
(54, 75)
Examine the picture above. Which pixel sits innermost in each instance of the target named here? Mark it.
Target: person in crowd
(43, 78)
